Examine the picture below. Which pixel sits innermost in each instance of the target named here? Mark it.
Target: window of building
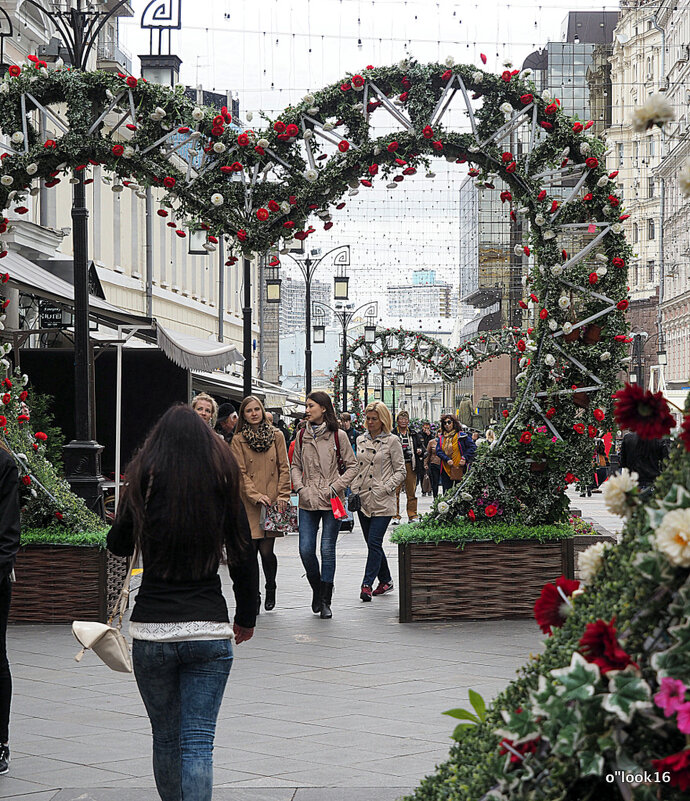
(650, 229)
(635, 233)
(650, 271)
(620, 154)
(650, 187)
(636, 152)
(651, 147)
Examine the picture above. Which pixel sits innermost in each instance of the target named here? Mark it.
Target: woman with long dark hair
(182, 509)
(323, 466)
(263, 461)
(9, 545)
(450, 452)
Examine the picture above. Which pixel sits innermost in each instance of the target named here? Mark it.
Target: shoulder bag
(105, 639)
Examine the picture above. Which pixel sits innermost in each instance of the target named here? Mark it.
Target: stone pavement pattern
(315, 710)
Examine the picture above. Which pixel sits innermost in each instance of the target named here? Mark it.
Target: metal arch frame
(308, 268)
(4, 17)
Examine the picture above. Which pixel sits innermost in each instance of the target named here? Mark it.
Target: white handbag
(105, 639)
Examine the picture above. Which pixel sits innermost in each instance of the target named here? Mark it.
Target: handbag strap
(121, 603)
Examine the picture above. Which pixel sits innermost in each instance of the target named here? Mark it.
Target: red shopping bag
(337, 506)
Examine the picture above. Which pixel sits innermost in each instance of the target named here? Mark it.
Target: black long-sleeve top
(163, 601)
(9, 513)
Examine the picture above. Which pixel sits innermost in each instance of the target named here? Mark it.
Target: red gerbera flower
(600, 646)
(678, 765)
(490, 510)
(644, 412)
(552, 606)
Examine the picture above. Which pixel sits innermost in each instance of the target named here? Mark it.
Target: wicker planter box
(62, 583)
(482, 581)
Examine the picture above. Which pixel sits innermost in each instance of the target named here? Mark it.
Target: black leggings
(264, 547)
(5, 675)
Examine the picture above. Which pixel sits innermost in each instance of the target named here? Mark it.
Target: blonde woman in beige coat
(316, 477)
(381, 465)
(261, 455)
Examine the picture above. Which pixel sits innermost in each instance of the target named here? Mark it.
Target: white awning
(186, 351)
(28, 277)
(193, 353)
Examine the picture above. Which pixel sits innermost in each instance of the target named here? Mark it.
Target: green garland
(217, 200)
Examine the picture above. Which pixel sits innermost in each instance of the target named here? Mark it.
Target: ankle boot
(315, 582)
(270, 601)
(326, 595)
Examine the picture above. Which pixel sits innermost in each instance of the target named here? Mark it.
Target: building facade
(293, 309)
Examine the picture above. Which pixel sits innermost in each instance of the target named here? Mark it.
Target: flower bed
(443, 569)
(62, 577)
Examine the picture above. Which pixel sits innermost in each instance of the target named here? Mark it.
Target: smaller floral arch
(448, 363)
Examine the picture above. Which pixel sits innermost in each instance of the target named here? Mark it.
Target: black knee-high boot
(315, 582)
(326, 595)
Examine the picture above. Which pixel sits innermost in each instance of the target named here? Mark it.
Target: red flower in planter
(599, 414)
(678, 765)
(644, 412)
(579, 428)
(550, 412)
(600, 646)
(505, 413)
(490, 510)
(26, 480)
(570, 478)
(552, 606)
(472, 516)
(39, 435)
(526, 437)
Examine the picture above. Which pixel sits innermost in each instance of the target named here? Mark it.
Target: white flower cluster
(656, 111)
(589, 561)
(672, 537)
(618, 491)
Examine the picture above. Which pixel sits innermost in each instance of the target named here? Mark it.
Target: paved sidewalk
(315, 710)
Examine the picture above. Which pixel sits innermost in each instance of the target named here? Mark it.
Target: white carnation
(567, 328)
(539, 219)
(219, 147)
(127, 153)
(589, 561)
(553, 325)
(549, 360)
(262, 143)
(285, 207)
(546, 96)
(526, 73)
(217, 199)
(602, 257)
(309, 99)
(328, 126)
(557, 270)
(672, 537)
(601, 271)
(17, 137)
(617, 228)
(449, 61)
(477, 77)
(197, 114)
(506, 108)
(656, 111)
(585, 148)
(618, 490)
(443, 507)
(684, 178)
(311, 175)
(518, 250)
(549, 234)
(564, 301)
(605, 356)
(7, 180)
(603, 181)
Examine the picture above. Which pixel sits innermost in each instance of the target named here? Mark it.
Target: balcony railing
(113, 53)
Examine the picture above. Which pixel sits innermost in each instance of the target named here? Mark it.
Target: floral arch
(259, 187)
(450, 364)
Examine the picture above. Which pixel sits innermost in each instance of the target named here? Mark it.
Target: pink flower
(684, 718)
(671, 696)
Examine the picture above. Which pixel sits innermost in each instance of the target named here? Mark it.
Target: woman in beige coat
(320, 448)
(381, 470)
(260, 451)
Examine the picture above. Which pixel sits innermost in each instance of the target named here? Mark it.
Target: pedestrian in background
(423, 439)
(410, 446)
(449, 450)
(9, 545)
(352, 432)
(206, 407)
(323, 465)
(644, 457)
(433, 465)
(261, 455)
(181, 507)
(226, 421)
(601, 465)
(381, 470)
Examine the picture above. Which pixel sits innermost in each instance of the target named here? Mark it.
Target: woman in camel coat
(261, 455)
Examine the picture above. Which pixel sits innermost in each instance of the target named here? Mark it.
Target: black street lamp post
(345, 317)
(308, 268)
(79, 27)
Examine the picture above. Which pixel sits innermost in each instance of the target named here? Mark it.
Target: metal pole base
(83, 472)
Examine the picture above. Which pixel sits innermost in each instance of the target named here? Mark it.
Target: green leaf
(568, 738)
(591, 763)
(478, 704)
(461, 714)
(628, 692)
(520, 726)
(460, 730)
(654, 566)
(578, 679)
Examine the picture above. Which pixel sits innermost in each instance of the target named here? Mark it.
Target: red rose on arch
(505, 413)
(117, 150)
(543, 314)
(23, 395)
(577, 127)
(343, 146)
(552, 606)
(273, 206)
(599, 414)
(547, 126)
(39, 435)
(644, 412)
(520, 345)
(506, 75)
(592, 162)
(600, 646)
(618, 262)
(591, 431)
(14, 70)
(357, 80)
(262, 214)
(570, 478)
(279, 126)
(622, 305)
(169, 181)
(393, 146)
(579, 428)
(132, 82)
(684, 435)
(428, 132)
(345, 87)
(613, 200)
(511, 167)
(243, 140)
(292, 130)
(26, 480)
(593, 278)
(438, 145)
(6, 398)
(552, 108)
(550, 413)
(526, 99)
(447, 75)
(242, 235)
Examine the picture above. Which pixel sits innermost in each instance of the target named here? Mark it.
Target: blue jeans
(182, 686)
(308, 530)
(374, 529)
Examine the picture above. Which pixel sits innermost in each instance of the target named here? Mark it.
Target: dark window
(651, 232)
